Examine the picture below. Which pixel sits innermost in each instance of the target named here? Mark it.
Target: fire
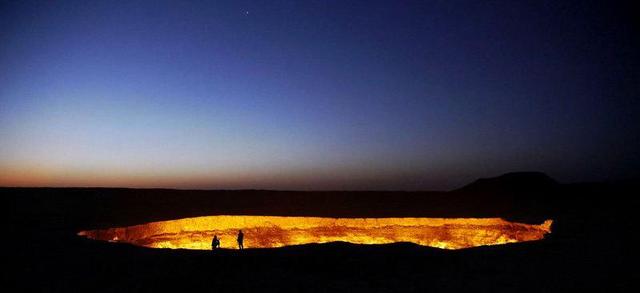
(273, 231)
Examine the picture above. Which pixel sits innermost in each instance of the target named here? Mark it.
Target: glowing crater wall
(272, 231)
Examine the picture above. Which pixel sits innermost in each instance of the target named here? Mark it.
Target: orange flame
(272, 231)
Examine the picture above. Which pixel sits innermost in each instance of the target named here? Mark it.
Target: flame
(274, 231)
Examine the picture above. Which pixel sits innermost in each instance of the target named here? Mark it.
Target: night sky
(316, 95)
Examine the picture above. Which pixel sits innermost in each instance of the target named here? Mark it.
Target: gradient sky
(315, 94)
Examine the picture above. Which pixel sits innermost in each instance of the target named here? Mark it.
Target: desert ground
(590, 248)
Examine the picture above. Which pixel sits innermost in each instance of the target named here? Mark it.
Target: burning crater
(273, 231)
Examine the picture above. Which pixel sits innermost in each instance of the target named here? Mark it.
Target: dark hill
(521, 182)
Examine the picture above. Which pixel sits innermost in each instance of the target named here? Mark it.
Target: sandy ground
(588, 250)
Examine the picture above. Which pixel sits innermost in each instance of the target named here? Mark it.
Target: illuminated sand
(271, 231)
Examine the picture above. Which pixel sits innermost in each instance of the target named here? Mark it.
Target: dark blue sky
(315, 94)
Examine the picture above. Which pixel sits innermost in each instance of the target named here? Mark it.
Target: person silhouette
(240, 240)
(215, 243)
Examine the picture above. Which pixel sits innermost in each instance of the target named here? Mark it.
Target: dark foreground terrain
(591, 247)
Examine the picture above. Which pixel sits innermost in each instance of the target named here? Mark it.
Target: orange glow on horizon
(51, 175)
(274, 231)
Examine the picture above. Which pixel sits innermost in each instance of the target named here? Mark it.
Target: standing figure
(215, 243)
(240, 240)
